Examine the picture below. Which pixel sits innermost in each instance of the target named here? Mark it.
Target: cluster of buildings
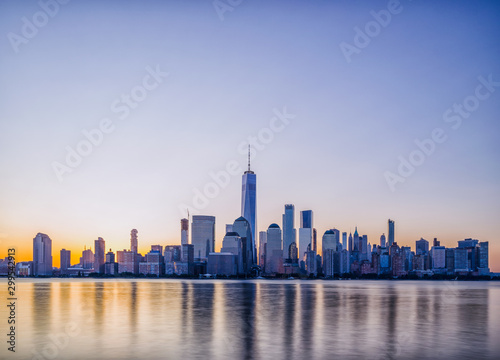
(281, 250)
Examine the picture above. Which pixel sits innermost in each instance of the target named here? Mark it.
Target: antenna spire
(248, 157)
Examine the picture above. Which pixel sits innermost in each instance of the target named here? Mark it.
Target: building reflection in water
(41, 305)
(265, 319)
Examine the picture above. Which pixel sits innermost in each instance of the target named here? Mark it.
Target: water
(262, 319)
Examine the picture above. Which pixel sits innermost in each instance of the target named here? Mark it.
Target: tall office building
(184, 231)
(110, 256)
(243, 228)
(128, 261)
(305, 243)
(87, 259)
(422, 247)
(461, 263)
(99, 254)
(65, 258)
(351, 243)
(274, 250)
(153, 264)
(289, 234)
(382, 240)
(203, 236)
(42, 255)
(306, 219)
(344, 241)
(355, 240)
(133, 240)
(364, 248)
(110, 266)
(438, 256)
(248, 203)
(305, 235)
(315, 240)
(262, 248)
(329, 241)
(483, 261)
(391, 232)
(337, 239)
(232, 244)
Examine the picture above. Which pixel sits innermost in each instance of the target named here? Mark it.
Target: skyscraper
(382, 240)
(289, 234)
(305, 235)
(364, 249)
(262, 248)
(184, 231)
(438, 256)
(128, 262)
(203, 235)
(110, 266)
(315, 240)
(391, 232)
(243, 228)
(306, 219)
(337, 239)
(133, 240)
(274, 250)
(65, 258)
(305, 242)
(355, 240)
(232, 244)
(344, 241)
(248, 203)
(422, 247)
(329, 241)
(99, 254)
(42, 255)
(483, 262)
(87, 259)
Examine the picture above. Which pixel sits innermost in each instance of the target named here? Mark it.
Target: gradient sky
(352, 120)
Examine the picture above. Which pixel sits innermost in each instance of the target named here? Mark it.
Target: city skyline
(280, 252)
(216, 85)
(211, 239)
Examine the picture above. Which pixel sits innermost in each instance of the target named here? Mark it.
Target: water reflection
(198, 319)
(41, 305)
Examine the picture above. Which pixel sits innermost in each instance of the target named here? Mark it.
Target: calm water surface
(262, 319)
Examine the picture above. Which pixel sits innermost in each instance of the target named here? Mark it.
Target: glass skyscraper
(306, 219)
(203, 235)
(99, 255)
(248, 203)
(305, 235)
(391, 232)
(42, 255)
(289, 234)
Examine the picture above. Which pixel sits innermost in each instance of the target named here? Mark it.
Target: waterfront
(262, 319)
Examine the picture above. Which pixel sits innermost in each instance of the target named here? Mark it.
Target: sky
(338, 94)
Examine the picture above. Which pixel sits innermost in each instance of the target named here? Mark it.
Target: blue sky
(352, 119)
